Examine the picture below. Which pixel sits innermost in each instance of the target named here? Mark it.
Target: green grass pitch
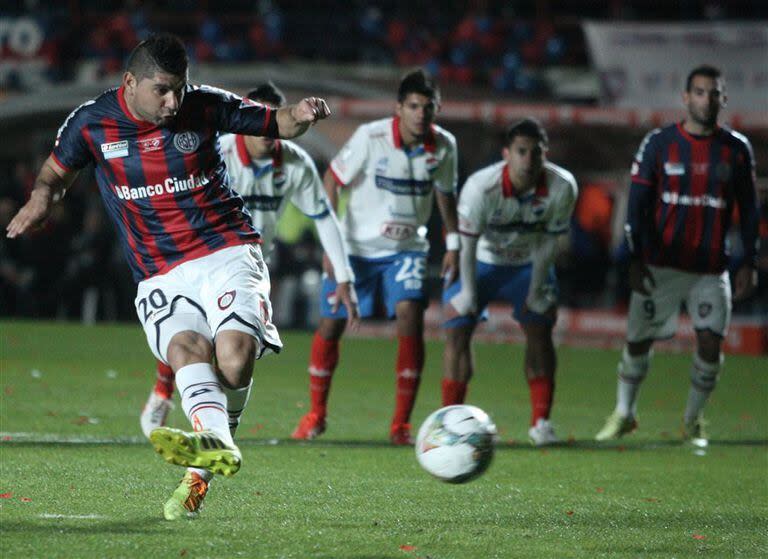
(77, 480)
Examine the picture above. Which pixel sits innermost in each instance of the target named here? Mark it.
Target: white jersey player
(394, 169)
(510, 217)
(267, 174)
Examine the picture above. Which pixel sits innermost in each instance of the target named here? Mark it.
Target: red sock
(322, 363)
(410, 362)
(454, 392)
(542, 390)
(164, 384)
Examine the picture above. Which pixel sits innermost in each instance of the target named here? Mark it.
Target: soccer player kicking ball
(203, 288)
(511, 215)
(686, 179)
(267, 174)
(392, 168)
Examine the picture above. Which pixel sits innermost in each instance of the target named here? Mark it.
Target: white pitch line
(66, 439)
(73, 516)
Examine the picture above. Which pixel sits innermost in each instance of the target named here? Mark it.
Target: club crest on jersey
(226, 300)
(382, 165)
(432, 164)
(112, 150)
(723, 171)
(674, 169)
(150, 144)
(186, 142)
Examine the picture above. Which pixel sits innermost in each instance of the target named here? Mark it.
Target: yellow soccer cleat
(203, 449)
(616, 426)
(187, 500)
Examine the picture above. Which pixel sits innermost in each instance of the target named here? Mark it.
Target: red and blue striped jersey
(166, 187)
(683, 192)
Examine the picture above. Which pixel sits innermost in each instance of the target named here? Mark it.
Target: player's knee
(538, 337)
(331, 329)
(188, 347)
(235, 354)
(410, 318)
(708, 345)
(457, 340)
(634, 367)
(705, 373)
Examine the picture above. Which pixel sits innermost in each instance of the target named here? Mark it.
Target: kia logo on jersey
(397, 231)
(227, 299)
(186, 142)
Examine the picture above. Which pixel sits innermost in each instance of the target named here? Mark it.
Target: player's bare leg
(155, 412)
(458, 363)
(540, 365)
(235, 358)
(632, 370)
(323, 359)
(410, 362)
(705, 370)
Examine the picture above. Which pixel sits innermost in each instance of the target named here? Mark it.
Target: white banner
(645, 65)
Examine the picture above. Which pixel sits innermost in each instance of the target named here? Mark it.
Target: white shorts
(225, 290)
(707, 298)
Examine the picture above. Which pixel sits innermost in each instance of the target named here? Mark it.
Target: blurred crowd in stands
(73, 267)
(499, 44)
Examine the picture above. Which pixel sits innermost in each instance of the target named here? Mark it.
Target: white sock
(205, 474)
(203, 400)
(237, 398)
(631, 371)
(703, 380)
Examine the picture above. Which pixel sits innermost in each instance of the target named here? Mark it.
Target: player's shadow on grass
(585, 444)
(87, 526)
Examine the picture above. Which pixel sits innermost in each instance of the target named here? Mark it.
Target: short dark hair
(267, 93)
(703, 70)
(162, 52)
(418, 81)
(528, 127)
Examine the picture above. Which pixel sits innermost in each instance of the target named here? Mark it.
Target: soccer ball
(455, 443)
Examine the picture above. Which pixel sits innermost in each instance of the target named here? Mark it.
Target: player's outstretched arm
(293, 120)
(50, 185)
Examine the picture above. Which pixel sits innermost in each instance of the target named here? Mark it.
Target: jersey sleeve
(70, 150)
(560, 220)
(746, 197)
(241, 116)
(446, 174)
(471, 209)
(309, 195)
(644, 174)
(351, 159)
(645, 166)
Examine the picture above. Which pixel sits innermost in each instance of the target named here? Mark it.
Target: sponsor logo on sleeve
(113, 150)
